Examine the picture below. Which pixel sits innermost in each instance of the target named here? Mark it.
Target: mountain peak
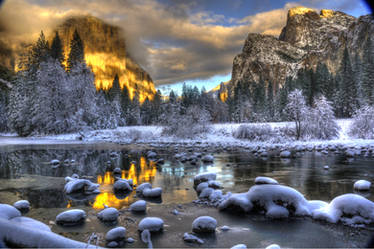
(300, 10)
(106, 54)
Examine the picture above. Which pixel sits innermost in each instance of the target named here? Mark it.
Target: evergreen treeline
(351, 88)
(48, 96)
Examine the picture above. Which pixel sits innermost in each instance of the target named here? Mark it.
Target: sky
(175, 41)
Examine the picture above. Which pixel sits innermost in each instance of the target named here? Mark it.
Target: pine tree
(270, 102)
(326, 81)
(367, 73)
(115, 89)
(76, 54)
(56, 50)
(146, 112)
(347, 96)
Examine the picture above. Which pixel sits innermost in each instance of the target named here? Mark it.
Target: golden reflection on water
(143, 173)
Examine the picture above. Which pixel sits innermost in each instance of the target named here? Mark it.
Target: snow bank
(278, 201)
(351, 209)
(22, 232)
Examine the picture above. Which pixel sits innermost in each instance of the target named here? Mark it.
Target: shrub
(254, 132)
(362, 125)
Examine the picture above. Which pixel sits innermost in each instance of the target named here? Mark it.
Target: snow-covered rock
(326, 167)
(116, 234)
(265, 180)
(362, 185)
(146, 190)
(71, 217)
(202, 186)
(214, 184)
(22, 205)
(130, 240)
(190, 238)
(74, 185)
(204, 224)
(117, 171)
(8, 211)
(108, 214)
(138, 206)
(285, 154)
(152, 193)
(207, 159)
(216, 195)
(273, 246)
(349, 208)
(141, 187)
(225, 228)
(206, 193)
(239, 246)
(204, 177)
(55, 162)
(153, 224)
(151, 154)
(273, 198)
(122, 185)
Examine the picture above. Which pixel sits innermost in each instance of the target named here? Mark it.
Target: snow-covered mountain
(309, 38)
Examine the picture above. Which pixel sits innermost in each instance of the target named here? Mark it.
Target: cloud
(171, 40)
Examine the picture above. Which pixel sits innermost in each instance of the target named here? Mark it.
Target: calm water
(26, 173)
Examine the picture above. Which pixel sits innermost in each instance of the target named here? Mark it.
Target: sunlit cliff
(105, 53)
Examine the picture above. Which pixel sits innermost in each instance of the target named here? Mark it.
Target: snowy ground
(219, 135)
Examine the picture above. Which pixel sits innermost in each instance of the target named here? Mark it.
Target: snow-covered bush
(363, 123)
(320, 121)
(254, 132)
(297, 111)
(194, 122)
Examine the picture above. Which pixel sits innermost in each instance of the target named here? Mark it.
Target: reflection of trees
(87, 162)
(44, 198)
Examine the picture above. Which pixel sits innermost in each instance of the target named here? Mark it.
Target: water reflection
(27, 174)
(145, 172)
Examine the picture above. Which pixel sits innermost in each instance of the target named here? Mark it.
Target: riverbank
(218, 137)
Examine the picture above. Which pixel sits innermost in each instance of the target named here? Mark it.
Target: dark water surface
(26, 173)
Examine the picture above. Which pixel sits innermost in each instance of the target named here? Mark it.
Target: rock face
(106, 54)
(307, 39)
